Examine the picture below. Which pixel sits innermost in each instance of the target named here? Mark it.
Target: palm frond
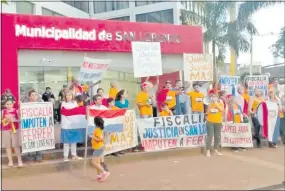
(248, 8)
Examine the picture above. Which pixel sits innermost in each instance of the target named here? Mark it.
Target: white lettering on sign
(43, 32)
(92, 35)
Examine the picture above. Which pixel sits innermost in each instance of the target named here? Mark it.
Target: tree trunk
(214, 63)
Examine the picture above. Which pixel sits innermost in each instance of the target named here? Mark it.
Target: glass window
(24, 7)
(126, 18)
(48, 12)
(81, 5)
(141, 3)
(105, 6)
(165, 16)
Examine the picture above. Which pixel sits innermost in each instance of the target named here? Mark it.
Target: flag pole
(86, 138)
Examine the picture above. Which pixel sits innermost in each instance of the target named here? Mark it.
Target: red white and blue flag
(74, 121)
(268, 117)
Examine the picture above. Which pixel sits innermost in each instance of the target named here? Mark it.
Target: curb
(59, 165)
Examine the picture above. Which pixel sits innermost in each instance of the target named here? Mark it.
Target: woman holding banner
(272, 97)
(70, 136)
(235, 115)
(214, 113)
(252, 109)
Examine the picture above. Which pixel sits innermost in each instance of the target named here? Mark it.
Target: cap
(143, 85)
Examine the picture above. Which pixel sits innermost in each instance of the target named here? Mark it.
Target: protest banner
(146, 59)
(198, 67)
(229, 84)
(128, 138)
(260, 82)
(37, 126)
(92, 69)
(236, 135)
(163, 133)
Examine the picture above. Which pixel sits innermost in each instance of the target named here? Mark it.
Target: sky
(267, 20)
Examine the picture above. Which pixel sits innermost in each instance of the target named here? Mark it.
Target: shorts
(98, 152)
(10, 139)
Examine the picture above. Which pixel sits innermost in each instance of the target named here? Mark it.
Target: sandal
(20, 164)
(10, 164)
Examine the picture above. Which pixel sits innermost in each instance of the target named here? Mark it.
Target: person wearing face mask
(182, 100)
(196, 99)
(252, 109)
(214, 124)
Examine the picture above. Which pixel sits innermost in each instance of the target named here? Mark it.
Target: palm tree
(278, 48)
(222, 33)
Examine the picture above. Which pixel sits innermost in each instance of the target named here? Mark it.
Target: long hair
(119, 95)
(68, 92)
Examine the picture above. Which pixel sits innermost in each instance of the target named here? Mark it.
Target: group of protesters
(172, 99)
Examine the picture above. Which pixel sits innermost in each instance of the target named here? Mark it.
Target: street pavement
(248, 170)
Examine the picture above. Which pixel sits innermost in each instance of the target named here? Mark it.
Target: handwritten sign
(92, 69)
(260, 82)
(229, 84)
(236, 135)
(146, 59)
(163, 133)
(198, 67)
(37, 126)
(118, 141)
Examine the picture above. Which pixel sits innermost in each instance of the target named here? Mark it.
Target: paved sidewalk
(249, 170)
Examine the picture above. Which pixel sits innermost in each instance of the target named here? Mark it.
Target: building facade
(34, 70)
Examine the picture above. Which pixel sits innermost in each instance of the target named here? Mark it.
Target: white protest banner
(198, 67)
(118, 141)
(146, 59)
(92, 69)
(229, 83)
(37, 126)
(163, 133)
(260, 82)
(236, 135)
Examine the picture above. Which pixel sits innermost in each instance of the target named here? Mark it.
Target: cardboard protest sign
(236, 135)
(229, 84)
(92, 69)
(37, 126)
(198, 67)
(260, 82)
(128, 138)
(146, 59)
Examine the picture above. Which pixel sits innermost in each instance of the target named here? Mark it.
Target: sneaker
(104, 176)
(218, 153)
(208, 154)
(258, 146)
(20, 164)
(65, 159)
(10, 164)
(242, 149)
(236, 150)
(76, 158)
(98, 178)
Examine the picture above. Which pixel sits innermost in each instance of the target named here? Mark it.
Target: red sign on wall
(65, 33)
